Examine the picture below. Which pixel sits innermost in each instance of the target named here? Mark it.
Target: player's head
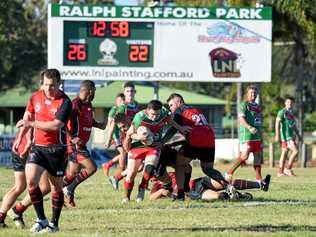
(289, 102)
(50, 81)
(153, 109)
(175, 101)
(129, 91)
(87, 90)
(119, 99)
(251, 93)
(121, 121)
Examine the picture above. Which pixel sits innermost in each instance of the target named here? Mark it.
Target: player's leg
(87, 170)
(132, 167)
(57, 197)
(16, 213)
(181, 165)
(294, 152)
(257, 163)
(33, 174)
(108, 165)
(72, 170)
(241, 184)
(11, 196)
(210, 195)
(283, 156)
(159, 194)
(119, 173)
(151, 161)
(244, 154)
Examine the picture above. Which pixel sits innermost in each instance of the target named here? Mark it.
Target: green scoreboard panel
(108, 43)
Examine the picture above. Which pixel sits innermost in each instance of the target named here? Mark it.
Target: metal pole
(271, 155)
(11, 121)
(156, 90)
(239, 99)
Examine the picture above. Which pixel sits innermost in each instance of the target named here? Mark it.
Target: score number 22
(138, 53)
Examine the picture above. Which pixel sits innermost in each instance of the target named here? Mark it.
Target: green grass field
(288, 209)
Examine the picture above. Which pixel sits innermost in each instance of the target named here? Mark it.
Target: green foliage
(22, 42)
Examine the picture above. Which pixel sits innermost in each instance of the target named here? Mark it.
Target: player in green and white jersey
(286, 132)
(250, 120)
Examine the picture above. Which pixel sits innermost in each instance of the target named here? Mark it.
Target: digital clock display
(108, 43)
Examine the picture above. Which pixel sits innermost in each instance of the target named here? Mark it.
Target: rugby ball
(144, 131)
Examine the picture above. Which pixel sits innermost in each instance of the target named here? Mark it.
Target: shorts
(252, 146)
(143, 152)
(117, 142)
(202, 154)
(18, 162)
(52, 158)
(78, 155)
(168, 157)
(288, 144)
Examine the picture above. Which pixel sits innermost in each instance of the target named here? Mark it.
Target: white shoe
(289, 172)
(50, 228)
(125, 200)
(231, 191)
(114, 183)
(39, 226)
(140, 195)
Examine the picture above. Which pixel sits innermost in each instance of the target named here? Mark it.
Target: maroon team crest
(225, 63)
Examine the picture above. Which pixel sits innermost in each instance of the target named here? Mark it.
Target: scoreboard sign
(102, 42)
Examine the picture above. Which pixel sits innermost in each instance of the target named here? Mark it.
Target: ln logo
(225, 63)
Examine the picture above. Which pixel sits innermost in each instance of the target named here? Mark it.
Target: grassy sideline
(288, 209)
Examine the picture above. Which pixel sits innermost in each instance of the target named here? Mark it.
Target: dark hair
(90, 85)
(129, 84)
(120, 95)
(119, 118)
(175, 95)
(154, 104)
(51, 74)
(251, 87)
(289, 98)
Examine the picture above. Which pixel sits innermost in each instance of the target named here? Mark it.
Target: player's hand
(185, 129)
(277, 138)
(24, 123)
(15, 146)
(252, 130)
(26, 149)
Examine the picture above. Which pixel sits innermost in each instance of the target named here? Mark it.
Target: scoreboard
(160, 44)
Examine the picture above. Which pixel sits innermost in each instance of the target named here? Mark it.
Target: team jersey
(157, 185)
(288, 123)
(199, 185)
(45, 109)
(202, 134)
(253, 115)
(116, 133)
(156, 126)
(24, 141)
(129, 110)
(81, 122)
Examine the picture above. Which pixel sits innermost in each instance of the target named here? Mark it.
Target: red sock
(128, 186)
(118, 175)
(20, 208)
(2, 216)
(68, 179)
(289, 166)
(145, 180)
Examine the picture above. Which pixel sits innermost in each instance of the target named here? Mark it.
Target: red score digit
(98, 29)
(77, 52)
(138, 53)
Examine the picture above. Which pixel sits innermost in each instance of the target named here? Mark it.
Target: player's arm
(29, 138)
(297, 133)
(277, 129)
(130, 134)
(159, 194)
(28, 116)
(110, 127)
(182, 129)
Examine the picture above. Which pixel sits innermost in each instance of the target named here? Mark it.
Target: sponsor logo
(225, 63)
(226, 32)
(37, 107)
(108, 49)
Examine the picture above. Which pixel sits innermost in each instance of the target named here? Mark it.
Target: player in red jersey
(159, 190)
(80, 127)
(20, 149)
(200, 143)
(47, 112)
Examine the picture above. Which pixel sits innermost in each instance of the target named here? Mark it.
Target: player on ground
(47, 112)
(200, 143)
(154, 118)
(116, 137)
(250, 120)
(129, 109)
(80, 127)
(286, 129)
